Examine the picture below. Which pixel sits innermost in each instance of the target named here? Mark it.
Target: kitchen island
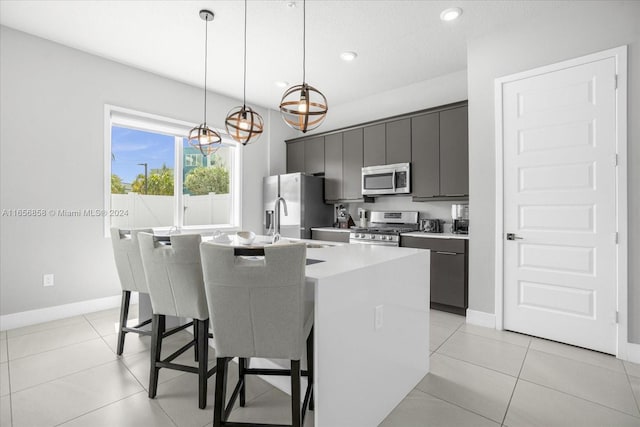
(371, 330)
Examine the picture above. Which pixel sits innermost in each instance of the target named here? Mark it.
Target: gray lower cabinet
(333, 167)
(330, 235)
(449, 266)
(352, 160)
(295, 156)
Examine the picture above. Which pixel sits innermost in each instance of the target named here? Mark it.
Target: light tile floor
(66, 373)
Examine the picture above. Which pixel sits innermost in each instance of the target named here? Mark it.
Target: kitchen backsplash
(435, 210)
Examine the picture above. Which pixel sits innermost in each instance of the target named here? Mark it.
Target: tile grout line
(446, 339)
(526, 354)
(637, 399)
(455, 404)
(10, 391)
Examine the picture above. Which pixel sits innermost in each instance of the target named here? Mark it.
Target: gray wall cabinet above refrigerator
(435, 141)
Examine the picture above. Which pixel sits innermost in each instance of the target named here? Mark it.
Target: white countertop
(337, 230)
(437, 235)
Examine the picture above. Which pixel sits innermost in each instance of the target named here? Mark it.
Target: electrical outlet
(378, 317)
(47, 280)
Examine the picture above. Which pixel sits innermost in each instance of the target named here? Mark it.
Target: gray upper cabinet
(352, 160)
(454, 152)
(398, 147)
(295, 156)
(314, 155)
(374, 153)
(333, 166)
(425, 161)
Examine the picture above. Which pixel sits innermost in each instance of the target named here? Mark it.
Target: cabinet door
(374, 145)
(454, 152)
(352, 164)
(314, 155)
(295, 156)
(398, 146)
(425, 155)
(333, 167)
(447, 279)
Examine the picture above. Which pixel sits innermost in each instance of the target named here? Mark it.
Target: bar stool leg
(295, 394)
(124, 314)
(221, 388)
(196, 337)
(310, 368)
(242, 366)
(158, 327)
(202, 345)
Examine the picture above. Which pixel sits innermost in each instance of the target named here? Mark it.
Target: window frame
(132, 119)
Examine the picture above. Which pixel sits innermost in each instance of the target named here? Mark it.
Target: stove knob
(373, 236)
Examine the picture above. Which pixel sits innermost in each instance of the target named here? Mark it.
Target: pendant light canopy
(202, 137)
(244, 124)
(303, 107)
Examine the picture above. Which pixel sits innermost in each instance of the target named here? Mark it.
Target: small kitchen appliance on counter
(344, 217)
(431, 225)
(385, 227)
(363, 217)
(460, 216)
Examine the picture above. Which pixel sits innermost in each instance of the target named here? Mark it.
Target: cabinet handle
(455, 195)
(446, 253)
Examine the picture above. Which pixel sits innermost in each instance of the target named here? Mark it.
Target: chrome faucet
(276, 213)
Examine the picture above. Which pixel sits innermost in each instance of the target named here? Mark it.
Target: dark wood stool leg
(221, 388)
(310, 368)
(158, 326)
(196, 337)
(124, 314)
(202, 345)
(295, 394)
(242, 366)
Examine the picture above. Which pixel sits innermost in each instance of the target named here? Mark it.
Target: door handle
(512, 236)
(446, 253)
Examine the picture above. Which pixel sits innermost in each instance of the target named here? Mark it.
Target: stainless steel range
(385, 228)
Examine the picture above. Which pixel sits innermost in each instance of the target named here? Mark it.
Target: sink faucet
(276, 213)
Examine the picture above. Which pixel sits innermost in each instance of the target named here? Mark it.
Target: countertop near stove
(337, 230)
(437, 235)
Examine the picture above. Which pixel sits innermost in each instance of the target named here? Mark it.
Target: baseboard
(32, 317)
(480, 318)
(633, 352)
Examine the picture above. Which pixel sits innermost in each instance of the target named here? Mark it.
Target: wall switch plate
(378, 317)
(47, 280)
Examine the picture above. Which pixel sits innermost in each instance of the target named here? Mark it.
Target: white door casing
(558, 139)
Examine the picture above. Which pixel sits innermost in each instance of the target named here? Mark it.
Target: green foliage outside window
(117, 187)
(205, 180)
(160, 182)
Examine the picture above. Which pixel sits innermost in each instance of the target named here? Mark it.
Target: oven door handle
(393, 180)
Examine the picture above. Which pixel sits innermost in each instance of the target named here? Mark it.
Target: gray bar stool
(174, 277)
(129, 265)
(258, 310)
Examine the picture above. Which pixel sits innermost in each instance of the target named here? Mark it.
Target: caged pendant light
(202, 137)
(303, 107)
(244, 124)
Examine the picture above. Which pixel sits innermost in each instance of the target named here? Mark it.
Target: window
(156, 179)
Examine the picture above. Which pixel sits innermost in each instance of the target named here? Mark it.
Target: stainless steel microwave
(386, 179)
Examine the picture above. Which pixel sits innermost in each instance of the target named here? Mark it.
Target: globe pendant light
(243, 123)
(303, 107)
(202, 137)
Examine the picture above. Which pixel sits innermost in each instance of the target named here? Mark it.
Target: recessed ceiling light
(348, 56)
(451, 14)
(282, 84)
(291, 4)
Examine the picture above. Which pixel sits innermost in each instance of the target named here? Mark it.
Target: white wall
(590, 27)
(51, 156)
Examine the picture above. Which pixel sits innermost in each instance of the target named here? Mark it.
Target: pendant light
(303, 107)
(202, 137)
(243, 123)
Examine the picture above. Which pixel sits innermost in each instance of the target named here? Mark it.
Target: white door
(559, 136)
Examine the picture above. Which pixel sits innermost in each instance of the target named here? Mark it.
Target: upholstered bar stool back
(174, 277)
(258, 309)
(132, 279)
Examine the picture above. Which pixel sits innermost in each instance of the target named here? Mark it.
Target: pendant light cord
(304, 41)
(206, 37)
(244, 90)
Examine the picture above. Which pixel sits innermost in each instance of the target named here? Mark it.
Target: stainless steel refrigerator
(303, 196)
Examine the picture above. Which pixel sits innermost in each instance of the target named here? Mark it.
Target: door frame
(620, 56)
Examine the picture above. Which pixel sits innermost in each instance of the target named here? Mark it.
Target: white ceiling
(398, 42)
